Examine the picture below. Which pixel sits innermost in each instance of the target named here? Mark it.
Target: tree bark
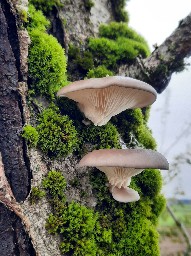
(13, 238)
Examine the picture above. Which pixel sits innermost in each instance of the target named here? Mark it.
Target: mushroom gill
(101, 98)
(119, 176)
(99, 105)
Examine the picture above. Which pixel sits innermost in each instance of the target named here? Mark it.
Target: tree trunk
(156, 69)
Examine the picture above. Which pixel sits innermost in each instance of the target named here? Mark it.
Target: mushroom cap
(101, 98)
(98, 83)
(133, 158)
(124, 195)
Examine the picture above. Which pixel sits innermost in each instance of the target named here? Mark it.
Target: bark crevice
(57, 28)
(12, 34)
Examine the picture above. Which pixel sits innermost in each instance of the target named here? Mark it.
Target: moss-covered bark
(120, 229)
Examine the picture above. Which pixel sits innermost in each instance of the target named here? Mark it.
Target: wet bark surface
(13, 238)
(11, 143)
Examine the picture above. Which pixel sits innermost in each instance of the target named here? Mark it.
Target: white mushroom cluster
(100, 99)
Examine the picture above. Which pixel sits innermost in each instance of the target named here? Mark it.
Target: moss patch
(100, 71)
(30, 134)
(117, 44)
(46, 5)
(47, 64)
(57, 135)
(133, 225)
(131, 124)
(36, 194)
(79, 226)
(47, 61)
(105, 136)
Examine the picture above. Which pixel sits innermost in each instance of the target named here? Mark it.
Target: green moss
(119, 12)
(105, 136)
(158, 206)
(112, 52)
(47, 64)
(140, 238)
(80, 230)
(57, 135)
(79, 226)
(137, 235)
(118, 44)
(100, 71)
(150, 182)
(79, 61)
(36, 194)
(116, 30)
(47, 61)
(31, 135)
(46, 5)
(55, 185)
(144, 136)
(133, 225)
(36, 20)
(131, 123)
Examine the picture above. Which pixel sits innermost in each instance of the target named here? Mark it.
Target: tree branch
(166, 59)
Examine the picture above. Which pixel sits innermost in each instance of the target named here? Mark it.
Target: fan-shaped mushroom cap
(120, 165)
(124, 195)
(131, 158)
(101, 98)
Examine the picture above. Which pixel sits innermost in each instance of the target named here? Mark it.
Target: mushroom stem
(119, 176)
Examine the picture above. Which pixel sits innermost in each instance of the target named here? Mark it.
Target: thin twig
(182, 228)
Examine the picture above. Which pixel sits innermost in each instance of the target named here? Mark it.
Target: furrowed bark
(13, 238)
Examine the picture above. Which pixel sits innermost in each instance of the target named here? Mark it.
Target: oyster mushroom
(120, 165)
(101, 98)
